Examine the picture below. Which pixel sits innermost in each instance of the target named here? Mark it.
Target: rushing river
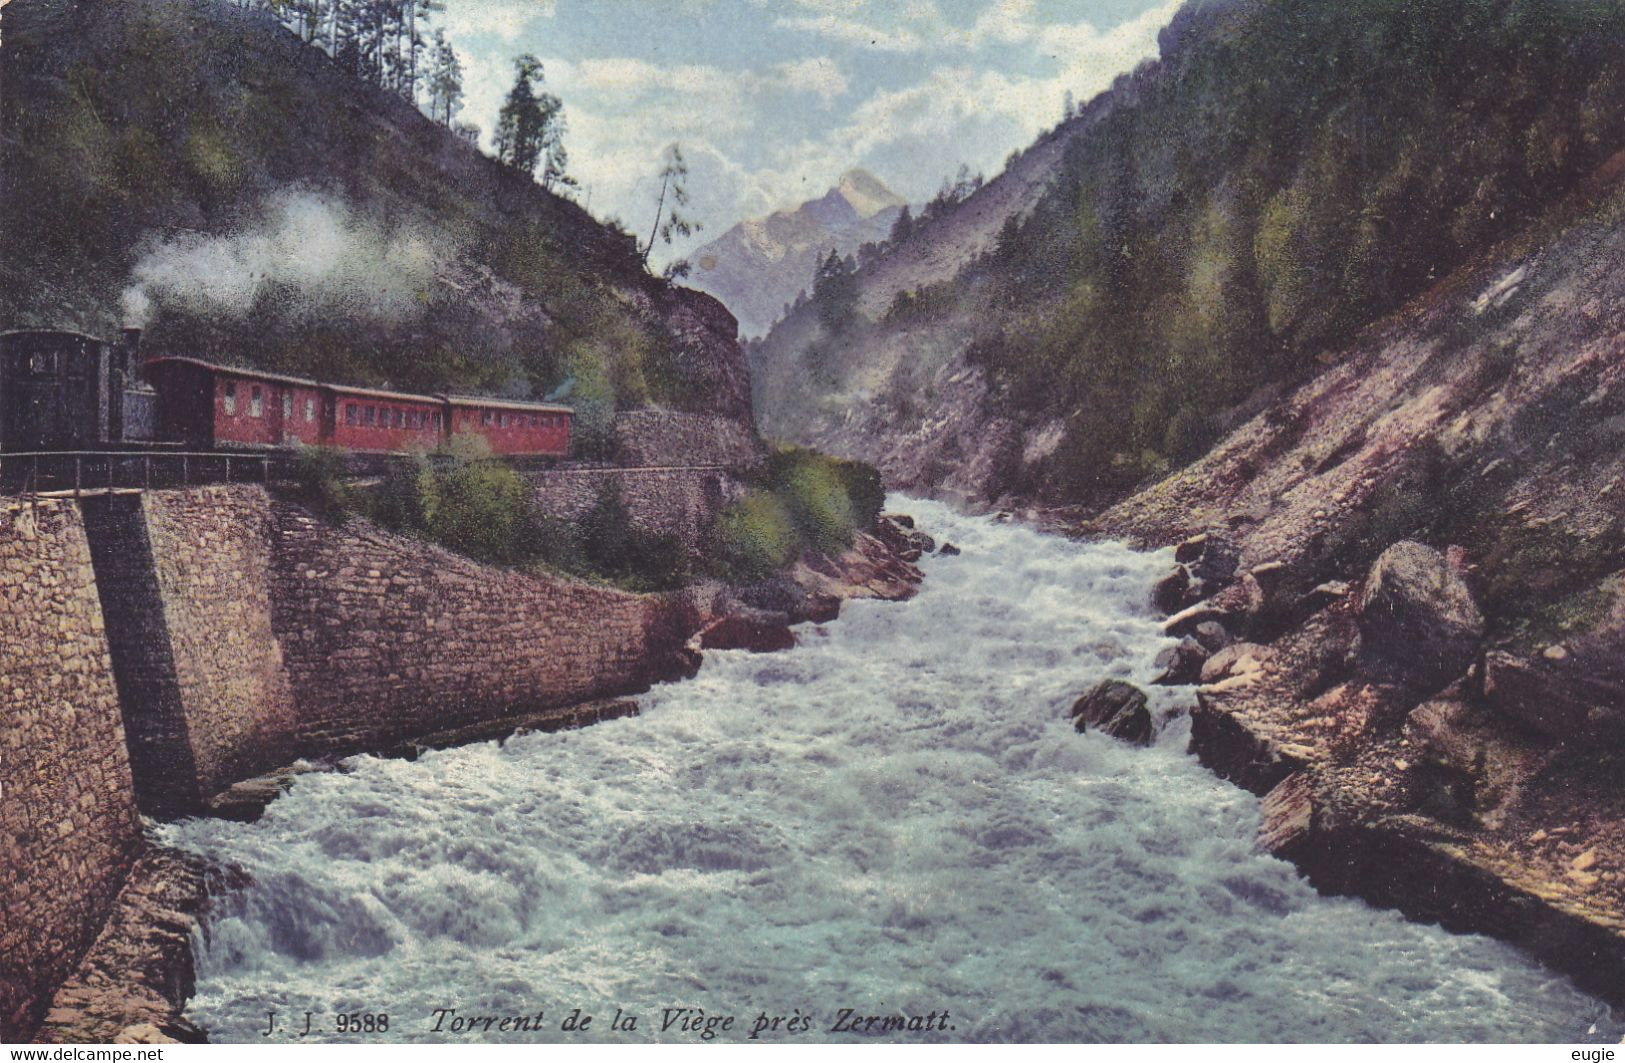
(894, 817)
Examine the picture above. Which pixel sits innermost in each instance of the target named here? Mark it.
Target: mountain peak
(867, 194)
(762, 264)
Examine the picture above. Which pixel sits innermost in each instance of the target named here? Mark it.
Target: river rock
(949, 550)
(745, 628)
(1271, 576)
(1190, 549)
(1181, 663)
(1212, 636)
(1115, 708)
(1323, 595)
(1417, 618)
(923, 542)
(1211, 557)
(1240, 661)
(1168, 594)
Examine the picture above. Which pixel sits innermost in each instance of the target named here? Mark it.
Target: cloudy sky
(773, 99)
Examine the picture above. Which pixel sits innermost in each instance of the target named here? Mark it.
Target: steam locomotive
(66, 391)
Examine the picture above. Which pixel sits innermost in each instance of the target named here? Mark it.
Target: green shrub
(819, 505)
(803, 500)
(401, 497)
(829, 499)
(463, 498)
(755, 537)
(614, 548)
(322, 479)
(479, 508)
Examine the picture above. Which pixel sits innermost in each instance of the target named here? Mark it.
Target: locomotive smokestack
(132, 339)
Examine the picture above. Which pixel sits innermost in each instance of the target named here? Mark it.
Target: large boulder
(1181, 663)
(1212, 636)
(1240, 664)
(1418, 622)
(1560, 694)
(745, 628)
(1212, 557)
(1116, 708)
(1168, 593)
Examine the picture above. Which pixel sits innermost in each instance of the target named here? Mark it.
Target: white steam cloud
(309, 254)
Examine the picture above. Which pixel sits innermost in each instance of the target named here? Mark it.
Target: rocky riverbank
(1395, 760)
(133, 984)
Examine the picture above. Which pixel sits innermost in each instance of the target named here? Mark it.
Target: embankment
(237, 632)
(68, 822)
(159, 647)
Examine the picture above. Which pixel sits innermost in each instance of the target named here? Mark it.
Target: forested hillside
(207, 171)
(1217, 224)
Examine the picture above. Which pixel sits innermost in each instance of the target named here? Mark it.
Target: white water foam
(893, 817)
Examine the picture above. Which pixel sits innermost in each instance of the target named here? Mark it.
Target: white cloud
(817, 75)
(506, 19)
(1009, 22)
(768, 128)
(853, 32)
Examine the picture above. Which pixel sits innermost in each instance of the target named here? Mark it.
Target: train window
(229, 398)
(287, 406)
(369, 416)
(256, 405)
(350, 415)
(502, 420)
(400, 419)
(310, 409)
(437, 422)
(485, 418)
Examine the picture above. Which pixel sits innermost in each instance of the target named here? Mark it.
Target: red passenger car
(205, 405)
(367, 419)
(513, 427)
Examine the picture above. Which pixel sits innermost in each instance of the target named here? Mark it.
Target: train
(66, 391)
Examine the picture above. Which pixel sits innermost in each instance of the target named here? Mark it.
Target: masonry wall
(241, 632)
(155, 727)
(664, 438)
(384, 636)
(68, 822)
(212, 551)
(666, 501)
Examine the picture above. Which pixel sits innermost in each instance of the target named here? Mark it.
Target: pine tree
(673, 188)
(445, 82)
(903, 227)
(525, 125)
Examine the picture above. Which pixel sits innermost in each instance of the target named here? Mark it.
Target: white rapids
(894, 817)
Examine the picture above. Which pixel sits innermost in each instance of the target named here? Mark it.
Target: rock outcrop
(131, 986)
(1417, 617)
(1117, 709)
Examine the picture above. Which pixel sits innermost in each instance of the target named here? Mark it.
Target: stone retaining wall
(68, 823)
(681, 502)
(213, 551)
(661, 437)
(386, 637)
(242, 632)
